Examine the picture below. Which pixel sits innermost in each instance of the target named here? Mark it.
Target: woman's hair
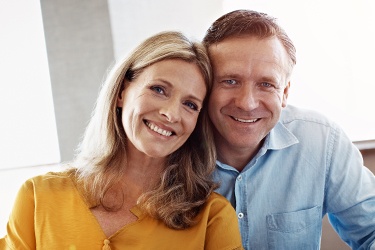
(248, 22)
(101, 157)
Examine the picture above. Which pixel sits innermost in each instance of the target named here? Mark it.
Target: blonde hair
(186, 181)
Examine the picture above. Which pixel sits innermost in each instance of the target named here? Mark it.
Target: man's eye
(191, 105)
(230, 81)
(266, 84)
(158, 89)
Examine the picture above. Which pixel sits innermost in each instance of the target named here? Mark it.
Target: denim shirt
(306, 168)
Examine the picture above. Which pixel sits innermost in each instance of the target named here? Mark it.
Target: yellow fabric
(50, 213)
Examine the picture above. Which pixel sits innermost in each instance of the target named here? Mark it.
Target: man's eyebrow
(229, 75)
(269, 79)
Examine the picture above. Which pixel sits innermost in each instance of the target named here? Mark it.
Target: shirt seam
(330, 149)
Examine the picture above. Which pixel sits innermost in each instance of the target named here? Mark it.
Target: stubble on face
(248, 93)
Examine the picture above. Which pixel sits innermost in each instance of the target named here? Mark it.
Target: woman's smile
(158, 130)
(162, 105)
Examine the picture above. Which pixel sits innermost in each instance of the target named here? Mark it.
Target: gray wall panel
(80, 49)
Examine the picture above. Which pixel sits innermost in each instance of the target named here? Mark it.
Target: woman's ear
(120, 99)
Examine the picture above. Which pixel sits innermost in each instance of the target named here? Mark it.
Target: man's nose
(247, 98)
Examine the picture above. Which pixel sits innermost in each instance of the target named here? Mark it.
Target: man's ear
(120, 99)
(285, 94)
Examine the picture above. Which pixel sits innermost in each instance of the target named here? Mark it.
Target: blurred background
(54, 56)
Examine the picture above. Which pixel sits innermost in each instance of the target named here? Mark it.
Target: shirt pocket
(295, 230)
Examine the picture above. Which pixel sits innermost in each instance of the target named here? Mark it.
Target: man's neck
(237, 158)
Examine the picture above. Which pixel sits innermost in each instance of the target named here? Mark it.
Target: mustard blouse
(50, 213)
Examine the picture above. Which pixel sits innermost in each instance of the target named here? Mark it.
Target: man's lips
(245, 120)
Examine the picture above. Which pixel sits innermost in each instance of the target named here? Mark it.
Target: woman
(141, 178)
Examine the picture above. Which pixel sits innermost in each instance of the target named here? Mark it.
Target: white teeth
(158, 130)
(243, 120)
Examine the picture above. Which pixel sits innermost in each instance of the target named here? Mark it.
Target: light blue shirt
(307, 167)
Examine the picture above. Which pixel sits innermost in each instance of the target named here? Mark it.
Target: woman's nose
(171, 111)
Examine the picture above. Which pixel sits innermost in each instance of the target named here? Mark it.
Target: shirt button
(240, 215)
(239, 178)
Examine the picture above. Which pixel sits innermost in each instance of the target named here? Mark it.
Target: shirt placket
(241, 194)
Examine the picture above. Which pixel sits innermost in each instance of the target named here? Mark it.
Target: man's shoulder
(293, 114)
(309, 126)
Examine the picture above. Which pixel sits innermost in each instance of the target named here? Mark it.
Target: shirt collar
(278, 138)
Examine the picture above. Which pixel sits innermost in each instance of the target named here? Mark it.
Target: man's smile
(245, 120)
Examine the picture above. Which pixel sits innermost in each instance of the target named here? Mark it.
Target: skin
(161, 107)
(249, 91)
(167, 94)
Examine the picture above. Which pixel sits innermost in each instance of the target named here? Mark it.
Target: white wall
(134, 21)
(27, 129)
(335, 57)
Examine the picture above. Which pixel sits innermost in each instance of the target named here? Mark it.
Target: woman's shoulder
(223, 223)
(214, 196)
(216, 202)
(51, 180)
(218, 207)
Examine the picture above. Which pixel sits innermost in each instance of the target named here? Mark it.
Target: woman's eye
(191, 105)
(158, 89)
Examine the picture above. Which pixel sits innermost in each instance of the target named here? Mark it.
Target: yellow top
(50, 213)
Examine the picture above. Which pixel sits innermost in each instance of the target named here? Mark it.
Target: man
(283, 168)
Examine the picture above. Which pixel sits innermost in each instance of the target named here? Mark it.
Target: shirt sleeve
(350, 198)
(222, 229)
(20, 227)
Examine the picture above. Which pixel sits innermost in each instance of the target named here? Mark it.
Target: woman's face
(160, 107)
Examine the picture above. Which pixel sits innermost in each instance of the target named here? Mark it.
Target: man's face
(249, 91)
